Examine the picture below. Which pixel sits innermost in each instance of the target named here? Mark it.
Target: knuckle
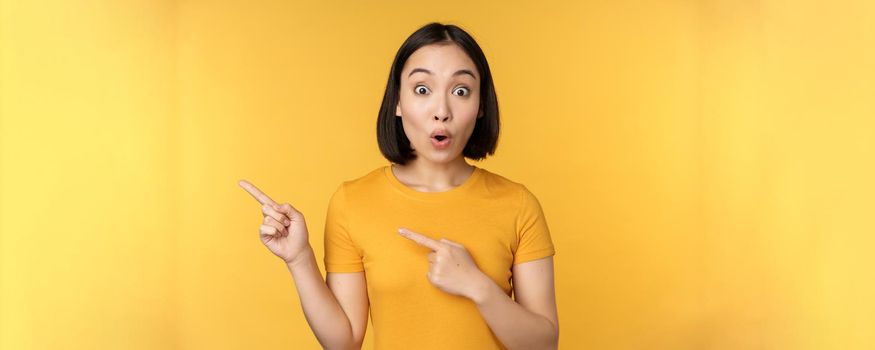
(290, 209)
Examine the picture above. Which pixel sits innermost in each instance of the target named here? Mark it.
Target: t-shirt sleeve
(341, 253)
(532, 231)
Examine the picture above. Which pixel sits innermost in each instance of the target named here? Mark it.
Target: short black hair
(393, 143)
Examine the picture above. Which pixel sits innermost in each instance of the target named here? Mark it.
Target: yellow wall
(89, 175)
(706, 167)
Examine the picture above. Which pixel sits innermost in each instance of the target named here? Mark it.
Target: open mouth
(440, 137)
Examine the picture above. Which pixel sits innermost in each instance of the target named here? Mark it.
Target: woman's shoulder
(502, 186)
(495, 179)
(363, 181)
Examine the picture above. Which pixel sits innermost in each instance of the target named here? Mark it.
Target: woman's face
(440, 96)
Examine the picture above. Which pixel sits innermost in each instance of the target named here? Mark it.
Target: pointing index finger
(256, 193)
(420, 239)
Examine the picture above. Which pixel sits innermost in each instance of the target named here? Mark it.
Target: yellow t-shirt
(498, 221)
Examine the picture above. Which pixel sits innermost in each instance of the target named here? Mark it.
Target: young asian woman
(442, 253)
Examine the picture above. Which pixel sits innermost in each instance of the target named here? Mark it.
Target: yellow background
(706, 167)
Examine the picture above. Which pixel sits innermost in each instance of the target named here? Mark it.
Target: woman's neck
(425, 176)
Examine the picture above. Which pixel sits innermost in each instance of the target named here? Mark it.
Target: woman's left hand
(451, 268)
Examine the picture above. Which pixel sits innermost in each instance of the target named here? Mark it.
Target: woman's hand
(451, 268)
(283, 230)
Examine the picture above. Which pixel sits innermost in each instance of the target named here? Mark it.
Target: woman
(442, 243)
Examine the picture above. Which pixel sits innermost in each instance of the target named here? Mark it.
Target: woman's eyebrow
(459, 72)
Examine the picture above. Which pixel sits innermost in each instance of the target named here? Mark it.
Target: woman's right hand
(283, 229)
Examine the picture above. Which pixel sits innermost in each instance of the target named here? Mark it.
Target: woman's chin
(443, 158)
(438, 157)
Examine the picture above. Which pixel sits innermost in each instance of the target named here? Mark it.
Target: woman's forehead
(442, 60)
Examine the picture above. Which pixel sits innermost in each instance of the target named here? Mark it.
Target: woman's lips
(442, 144)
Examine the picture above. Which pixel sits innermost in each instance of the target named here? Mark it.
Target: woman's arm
(531, 322)
(338, 320)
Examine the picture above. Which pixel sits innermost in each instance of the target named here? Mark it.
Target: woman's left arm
(530, 322)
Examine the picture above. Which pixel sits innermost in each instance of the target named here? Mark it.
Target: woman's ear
(398, 109)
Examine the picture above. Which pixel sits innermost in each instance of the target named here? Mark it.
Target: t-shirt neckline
(455, 191)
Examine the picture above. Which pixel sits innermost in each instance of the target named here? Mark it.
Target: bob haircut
(393, 143)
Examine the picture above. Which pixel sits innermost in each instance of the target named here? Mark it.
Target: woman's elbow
(554, 336)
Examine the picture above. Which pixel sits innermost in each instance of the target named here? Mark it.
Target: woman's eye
(464, 91)
(421, 90)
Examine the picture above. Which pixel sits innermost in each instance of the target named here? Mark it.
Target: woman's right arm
(337, 311)
(338, 318)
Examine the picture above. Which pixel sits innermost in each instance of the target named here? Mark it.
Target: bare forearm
(514, 325)
(321, 309)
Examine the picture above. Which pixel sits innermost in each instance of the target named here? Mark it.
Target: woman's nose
(442, 108)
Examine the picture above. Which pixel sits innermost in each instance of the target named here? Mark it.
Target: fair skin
(440, 90)
(434, 95)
